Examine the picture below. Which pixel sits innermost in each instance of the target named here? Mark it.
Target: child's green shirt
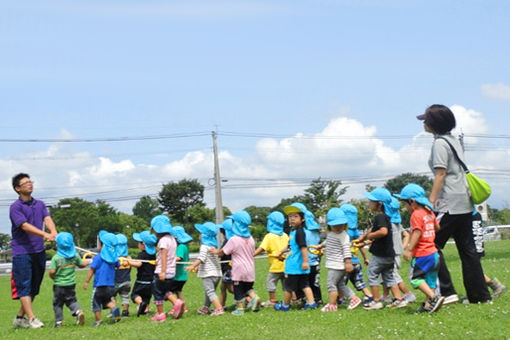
(65, 275)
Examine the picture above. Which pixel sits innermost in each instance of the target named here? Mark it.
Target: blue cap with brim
(415, 192)
(351, 213)
(108, 251)
(148, 239)
(381, 195)
(295, 207)
(310, 222)
(336, 216)
(395, 209)
(122, 247)
(65, 245)
(275, 222)
(181, 235)
(227, 225)
(241, 225)
(209, 231)
(161, 224)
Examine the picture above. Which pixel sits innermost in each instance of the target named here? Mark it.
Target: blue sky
(99, 69)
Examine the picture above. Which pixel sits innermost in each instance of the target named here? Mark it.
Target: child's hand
(85, 285)
(407, 255)
(367, 261)
(189, 268)
(161, 276)
(348, 267)
(305, 266)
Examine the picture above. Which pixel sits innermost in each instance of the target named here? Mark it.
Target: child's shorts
(161, 289)
(356, 277)
(272, 281)
(142, 289)
(177, 286)
(383, 266)
(123, 289)
(295, 283)
(242, 289)
(101, 297)
(336, 283)
(424, 269)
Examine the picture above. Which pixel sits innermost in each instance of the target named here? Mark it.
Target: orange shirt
(425, 221)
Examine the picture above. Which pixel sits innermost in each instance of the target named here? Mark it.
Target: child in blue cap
(164, 273)
(242, 248)
(142, 289)
(62, 271)
(227, 285)
(209, 270)
(338, 260)
(103, 269)
(181, 275)
(273, 242)
(356, 276)
(297, 267)
(381, 247)
(422, 250)
(313, 238)
(123, 274)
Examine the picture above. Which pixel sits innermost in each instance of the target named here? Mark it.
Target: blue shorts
(424, 269)
(27, 274)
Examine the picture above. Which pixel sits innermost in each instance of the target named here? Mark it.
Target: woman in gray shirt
(451, 199)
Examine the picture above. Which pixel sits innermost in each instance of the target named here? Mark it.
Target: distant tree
(288, 201)
(5, 240)
(146, 208)
(396, 184)
(364, 214)
(498, 217)
(132, 224)
(258, 214)
(322, 195)
(177, 198)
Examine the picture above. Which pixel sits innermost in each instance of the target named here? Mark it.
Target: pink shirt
(243, 265)
(166, 242)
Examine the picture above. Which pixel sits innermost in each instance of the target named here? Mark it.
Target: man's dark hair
(16, 179)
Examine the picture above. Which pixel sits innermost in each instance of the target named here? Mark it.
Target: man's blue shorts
(27, 274)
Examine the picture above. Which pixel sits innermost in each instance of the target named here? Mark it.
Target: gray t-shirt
(454, 197)
(397, 231)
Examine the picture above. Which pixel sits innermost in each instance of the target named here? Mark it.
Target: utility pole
(461, 140)
(217, 181)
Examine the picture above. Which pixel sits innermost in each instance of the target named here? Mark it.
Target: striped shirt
(210, 263)
(337, 249)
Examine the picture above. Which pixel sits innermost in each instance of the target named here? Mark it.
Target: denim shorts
(27, 274)
(383, 266)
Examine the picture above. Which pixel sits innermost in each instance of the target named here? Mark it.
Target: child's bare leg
(333, 297)
(223, 294)
(217, 304)
(138, 300)
(181, 297)
(272, 296)
(97, 316)
(309, 295)
(403, 288)
(425, 289)
(396, 292)
(286, 297)
(375, 293)
(367, 292)
(386, 291)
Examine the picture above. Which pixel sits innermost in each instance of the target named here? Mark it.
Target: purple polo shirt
(33, 212)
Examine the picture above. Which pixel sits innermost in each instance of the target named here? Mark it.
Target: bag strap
(462, 164)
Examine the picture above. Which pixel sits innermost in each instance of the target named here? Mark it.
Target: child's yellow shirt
(273, 244)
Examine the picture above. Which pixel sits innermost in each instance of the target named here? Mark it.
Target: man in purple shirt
(28, 218)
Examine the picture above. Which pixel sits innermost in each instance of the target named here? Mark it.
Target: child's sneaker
(435, 304)
(310, 306)
(217, 312)
(97, 323)
(497, 287)
(203, 310)
(238, 312)
(373, 305)
(116, 314)
(397, 304)
(451, 299)
(329, 308)
(255, 306)
(125, 313)
(58, 324)
(355, 302)
(410, 297)
(20, 322)
(281, 306)
(387, 299)
(140, 310)
(80, 318)
(178, 309)
(159, 317)
(367, 299)
(268, 303)
(35, 323)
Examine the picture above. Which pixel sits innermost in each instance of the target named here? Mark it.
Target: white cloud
(498, 91)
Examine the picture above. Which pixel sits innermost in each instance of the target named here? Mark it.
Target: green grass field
(453, 321)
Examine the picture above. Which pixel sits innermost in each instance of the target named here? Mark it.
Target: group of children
(294, 259)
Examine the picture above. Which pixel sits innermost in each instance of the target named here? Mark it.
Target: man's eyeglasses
(27, 182)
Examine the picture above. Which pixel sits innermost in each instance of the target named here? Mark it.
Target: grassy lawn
(453, 321)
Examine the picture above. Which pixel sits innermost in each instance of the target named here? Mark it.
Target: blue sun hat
(108, 252)
(209, 231)
(415, 192)
(122, 247)
(336, 216)
(275, 222)
(310, 222)
(241, 225)
(65, 245)
(161, 224)
(351, 213)
(227, 225)
(148, 239)
(381, 195)
(395, 209)
(181, 235)
(295, 207)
